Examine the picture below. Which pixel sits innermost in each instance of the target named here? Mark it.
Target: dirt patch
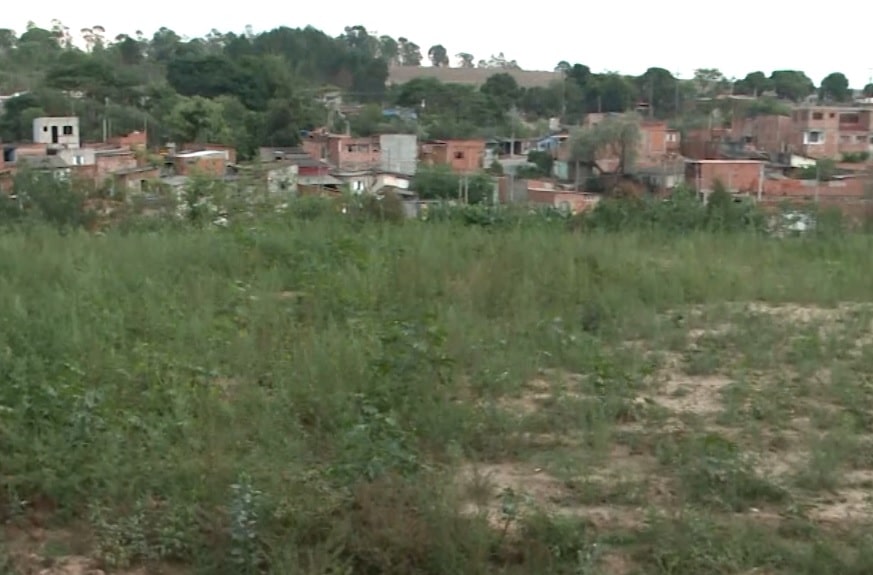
(550, 385)
(504, 492)
(700, 395)
(846, 505)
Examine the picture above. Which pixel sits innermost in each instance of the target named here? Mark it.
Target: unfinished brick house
(461, 155)
(829, 131)
(735, 175)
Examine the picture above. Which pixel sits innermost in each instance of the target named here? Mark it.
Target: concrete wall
(399, 153)
(60, 131)
(283, 180)
(78, 156)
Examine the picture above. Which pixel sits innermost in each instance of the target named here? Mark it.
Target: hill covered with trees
(249, 89)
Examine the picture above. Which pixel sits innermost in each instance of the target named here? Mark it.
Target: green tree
(438, 56)
(835, 87)
(615, 137)
(792, 84)
(868, 91)
(465, 60)
(754, 84)
(410, 53)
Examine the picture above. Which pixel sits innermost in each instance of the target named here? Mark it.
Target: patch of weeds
(714, 471)
(827, 456)
(150, 531)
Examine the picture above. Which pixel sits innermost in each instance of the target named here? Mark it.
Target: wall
(61, 131)
(808, 189)
(134, 140)
(573, 201)
(228, 151)
(354, 153)
(210, 164)
(399, 153)
(110, 162)
(769, 133)
(464, 155)
(78, 156)
(136, 180)
(283, 180)
(736, 176)
(653, 139)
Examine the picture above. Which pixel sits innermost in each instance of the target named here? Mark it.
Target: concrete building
(828, 132)
(57, 132)
(399, 153)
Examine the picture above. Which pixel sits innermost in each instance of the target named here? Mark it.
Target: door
(54, 134)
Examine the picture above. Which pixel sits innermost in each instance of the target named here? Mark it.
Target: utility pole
(105, 119)
(676, 103)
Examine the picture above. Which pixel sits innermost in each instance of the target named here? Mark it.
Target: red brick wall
(214, 166)
(464, 155)
(742, 176)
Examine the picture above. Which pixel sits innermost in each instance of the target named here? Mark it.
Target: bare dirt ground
(770, 421)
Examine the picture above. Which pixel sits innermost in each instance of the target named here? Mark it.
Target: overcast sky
(736, 36)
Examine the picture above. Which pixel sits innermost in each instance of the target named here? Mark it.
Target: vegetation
(658, 387)
(247, 89)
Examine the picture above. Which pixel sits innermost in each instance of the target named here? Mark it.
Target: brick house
(544, 193)
(206, 162)
(136, 179)
(345, 152)
(770, 133)
(829, 131)
(228, 151)
(460, 155)
(109, 161)
(657, 140)
(735, 175)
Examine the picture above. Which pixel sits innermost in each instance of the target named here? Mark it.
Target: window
(68, 130)
(459, 155)
(818, 116)
(860, 139)
(813, 137)
(672, 137)
(78, 160)
(845, 139)
(45, 128)
(832, 115)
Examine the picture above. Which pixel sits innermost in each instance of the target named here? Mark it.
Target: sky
(680, 35)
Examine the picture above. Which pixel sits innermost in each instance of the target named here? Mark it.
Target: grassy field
(318, 398)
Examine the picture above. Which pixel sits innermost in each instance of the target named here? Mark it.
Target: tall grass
(292, 396)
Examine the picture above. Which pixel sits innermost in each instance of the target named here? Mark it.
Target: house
(545, 193)
(830, 131)
(47, 164)
(282, 178)
(770, 133)
(207, 162)
(460, 155)
(397, 153)
(109, 160)
(735, 175)
(56, 132)
(345, 152)
(228, 151)
(136, 179)
(657, 140)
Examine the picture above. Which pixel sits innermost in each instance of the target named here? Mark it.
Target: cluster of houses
(758, 157)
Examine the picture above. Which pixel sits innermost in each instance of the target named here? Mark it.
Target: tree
(502, 89)
(754, 84)
(868, 91)
(835, 87)
(660, 89)
(410, 53)
(438, 56)
(465, 60)
(389, 50)
(710, 82)
(616, 138)
(499, 61)
(791, 84)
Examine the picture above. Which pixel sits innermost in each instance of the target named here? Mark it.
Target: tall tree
(615, 138)
(465, 60)
(791, 84)
(389, 50)
(410, 53)
(754, 84)
(835, 87)
(438, 56)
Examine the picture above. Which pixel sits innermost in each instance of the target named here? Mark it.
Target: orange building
(460, 155)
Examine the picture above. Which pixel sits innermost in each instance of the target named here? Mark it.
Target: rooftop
(200, 154)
